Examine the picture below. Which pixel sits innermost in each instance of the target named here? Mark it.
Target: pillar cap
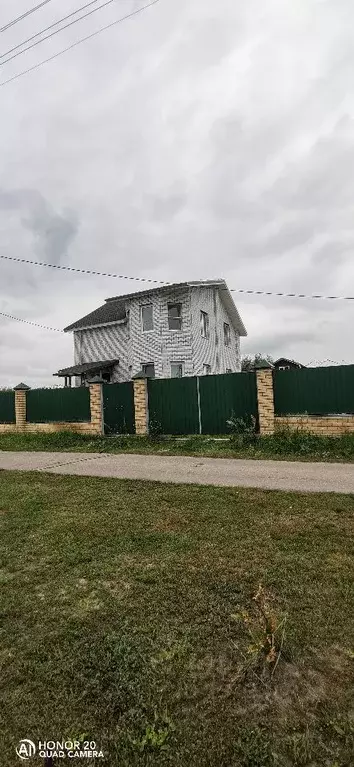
(21, 387)
(263, 365)
(96, 380)
(141, 374)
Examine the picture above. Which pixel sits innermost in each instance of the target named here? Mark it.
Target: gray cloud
(197, 140)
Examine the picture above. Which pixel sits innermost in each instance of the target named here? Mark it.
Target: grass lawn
(128, 618)
(288, 445)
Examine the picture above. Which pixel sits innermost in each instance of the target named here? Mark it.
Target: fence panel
(58, 405)
(224, 395)
(118, 408)
(7, 407)
(173, 405)
(316, 391)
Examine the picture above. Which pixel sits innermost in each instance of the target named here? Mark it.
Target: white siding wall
(105, 343)
(160, 345)
(212, 351)
(230, 356)
(205, 349)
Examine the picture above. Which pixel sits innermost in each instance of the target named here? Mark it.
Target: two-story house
(191, 328)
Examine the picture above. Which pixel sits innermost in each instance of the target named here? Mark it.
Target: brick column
(265, 397)
(141, 406)
(96, 405)
(20, 405)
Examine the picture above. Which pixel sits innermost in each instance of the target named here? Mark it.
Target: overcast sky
(199, 139)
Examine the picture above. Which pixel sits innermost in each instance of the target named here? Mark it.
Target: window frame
(146, 365)
(227, 334)
(204, 324)
(144, 306)
(206, 369)
(170, 305)
(177, 362)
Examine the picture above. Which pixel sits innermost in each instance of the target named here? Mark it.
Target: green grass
(120, 622)
(281, 446)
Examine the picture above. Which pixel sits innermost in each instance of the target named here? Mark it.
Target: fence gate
(222, 396)
(118, 408)
(173, 405)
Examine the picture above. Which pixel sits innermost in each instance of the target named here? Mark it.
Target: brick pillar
(265, 397)
(96, 405)
(141, 406)
(20, 405)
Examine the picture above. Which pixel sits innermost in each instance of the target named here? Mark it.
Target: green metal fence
(58, 405)
(7, 407)
(316, 391)
(222, 396)
(173, 405)
(203, 404)
(118, 408)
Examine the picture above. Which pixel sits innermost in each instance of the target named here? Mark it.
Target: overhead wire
(78, 42)
(28, 322)
(24, 15)
(57, 31)
(165, 282)
(46, 29)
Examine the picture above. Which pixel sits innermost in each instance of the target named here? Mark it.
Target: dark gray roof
(86, 367)
(111, 311)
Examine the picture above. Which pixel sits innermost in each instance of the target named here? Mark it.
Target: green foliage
(242, 443)
(155, 428)
(156, 734)
(116, 599)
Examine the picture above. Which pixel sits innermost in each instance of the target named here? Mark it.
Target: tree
(249, 363)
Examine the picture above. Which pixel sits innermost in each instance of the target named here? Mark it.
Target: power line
(66, 26)
(164, 282)
(27, 322)
(83, 271)
(78, 42)
(41, 32)
(24, 15)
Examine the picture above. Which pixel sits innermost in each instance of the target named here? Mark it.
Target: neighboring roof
(86, 367)
(290, 362)
(113, 310)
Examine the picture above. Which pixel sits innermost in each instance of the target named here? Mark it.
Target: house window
(175, 316)
(206, 370)
(147, 317)
(204, 324)
(149, 369)
(227, 334)
(228, 370)
(176, 369)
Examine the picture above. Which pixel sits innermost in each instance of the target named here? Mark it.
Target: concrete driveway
(276, 475)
